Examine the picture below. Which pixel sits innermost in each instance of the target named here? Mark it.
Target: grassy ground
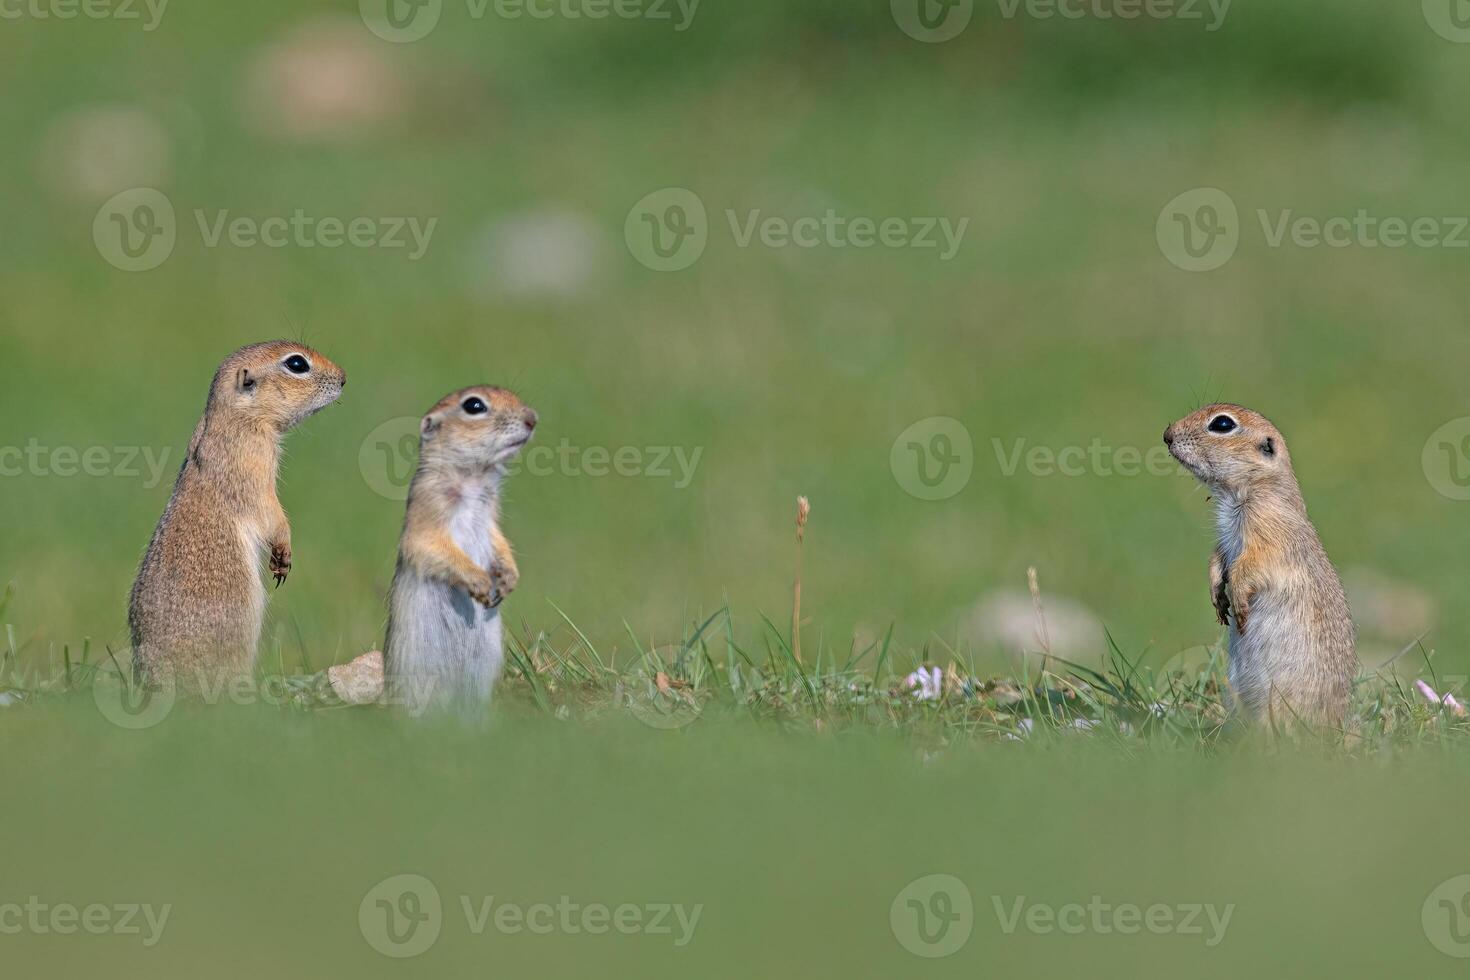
(796, 824)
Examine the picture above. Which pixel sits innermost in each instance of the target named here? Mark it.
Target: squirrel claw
(280, 565)
(485, 593)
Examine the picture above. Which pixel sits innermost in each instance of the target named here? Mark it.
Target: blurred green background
(1059, 322)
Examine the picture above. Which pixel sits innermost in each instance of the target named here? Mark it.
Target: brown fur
(197, 604)
(1292, 641)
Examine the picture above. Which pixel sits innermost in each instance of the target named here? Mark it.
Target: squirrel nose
(530, 418)
(1169, 436)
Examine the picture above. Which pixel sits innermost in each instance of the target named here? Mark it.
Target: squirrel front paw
(280, 562)
(1242, 614)
(505, 579)
(1222, 605)
(482, 589)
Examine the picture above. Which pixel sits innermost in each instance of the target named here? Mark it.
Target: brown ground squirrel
(443, 647)
(198, 602)
(1292, 642)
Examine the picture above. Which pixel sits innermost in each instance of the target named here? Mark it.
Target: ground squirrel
(197, 605)
(443, 646)
(1292, 649)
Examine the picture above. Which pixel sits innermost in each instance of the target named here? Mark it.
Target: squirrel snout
(530, 417)
(1169, 436)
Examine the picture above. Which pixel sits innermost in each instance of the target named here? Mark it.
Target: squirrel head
(476, 429)
(1231, 449)
(275, 385)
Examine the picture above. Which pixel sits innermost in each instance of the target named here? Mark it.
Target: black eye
(474, 406)
(297, 364)
(1222, 423)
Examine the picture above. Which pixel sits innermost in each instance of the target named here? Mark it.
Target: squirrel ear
(1269, 446)
(243, 380)
(429, 426)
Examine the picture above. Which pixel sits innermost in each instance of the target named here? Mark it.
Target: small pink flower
(927, 684)
(1447, 701)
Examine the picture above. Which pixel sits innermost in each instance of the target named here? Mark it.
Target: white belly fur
(445, 651)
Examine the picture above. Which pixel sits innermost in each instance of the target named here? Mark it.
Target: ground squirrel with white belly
(198, 603)
(444, 641)
(1292, 641)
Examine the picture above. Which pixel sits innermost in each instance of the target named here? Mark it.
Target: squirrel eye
(1222, 424)
(297, 364)
(474, 406)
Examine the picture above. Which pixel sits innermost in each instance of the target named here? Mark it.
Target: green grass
(795, 814)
